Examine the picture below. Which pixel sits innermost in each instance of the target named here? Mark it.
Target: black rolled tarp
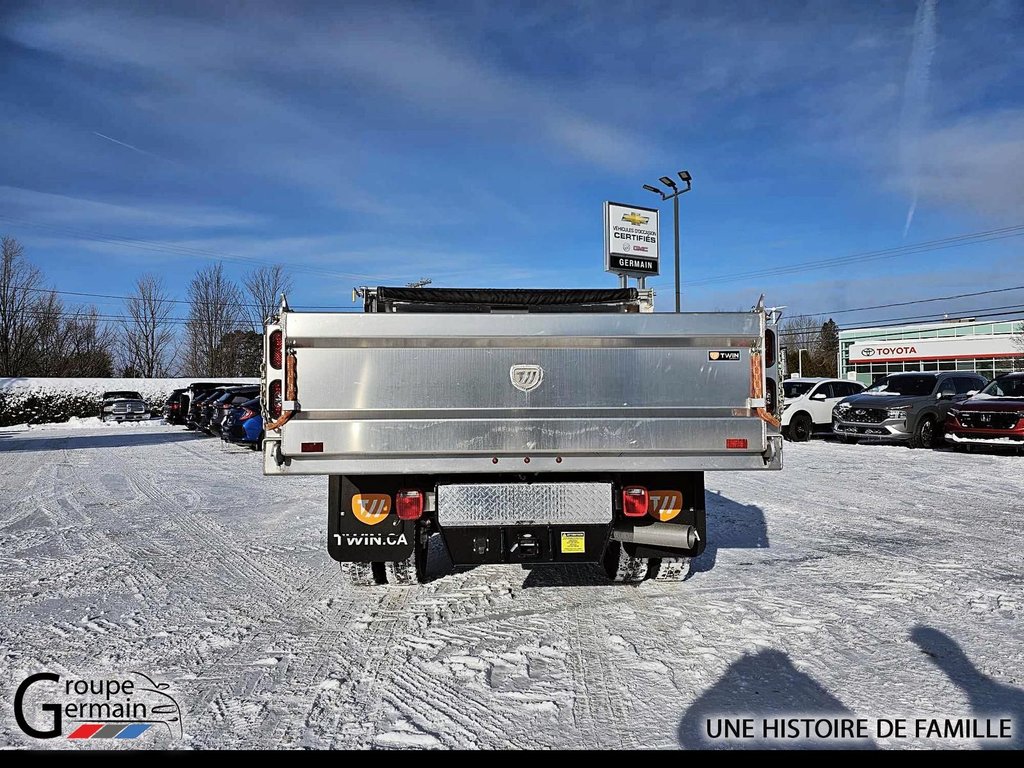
(509, 297)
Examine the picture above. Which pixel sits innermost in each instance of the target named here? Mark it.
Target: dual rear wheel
(618, 565)
(624, 568)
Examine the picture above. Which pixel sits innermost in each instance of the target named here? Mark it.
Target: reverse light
(276, 401)
(635, 501)
(409, 504)
(276, 349)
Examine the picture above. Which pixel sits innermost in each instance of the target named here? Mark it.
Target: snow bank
(48, 401)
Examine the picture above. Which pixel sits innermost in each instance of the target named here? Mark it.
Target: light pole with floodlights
(669, 182)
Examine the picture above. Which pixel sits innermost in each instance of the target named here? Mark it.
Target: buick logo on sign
(526, 378)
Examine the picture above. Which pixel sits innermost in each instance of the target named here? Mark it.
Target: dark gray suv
(904, 406)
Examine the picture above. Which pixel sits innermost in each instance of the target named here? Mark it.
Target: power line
(955, 241)
(936, 317)
(174, 301)
(908, 303)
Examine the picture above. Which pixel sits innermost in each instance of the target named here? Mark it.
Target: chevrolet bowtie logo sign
(635, 218)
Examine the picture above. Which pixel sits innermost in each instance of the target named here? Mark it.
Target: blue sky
(474, 142)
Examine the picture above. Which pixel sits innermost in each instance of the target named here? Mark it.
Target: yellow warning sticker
(573, 543)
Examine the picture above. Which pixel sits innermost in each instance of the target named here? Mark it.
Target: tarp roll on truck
(523, 426)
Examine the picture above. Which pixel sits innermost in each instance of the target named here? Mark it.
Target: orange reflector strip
(312, 447)
(735, 442)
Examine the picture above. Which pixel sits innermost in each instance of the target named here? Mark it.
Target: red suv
(994, 416)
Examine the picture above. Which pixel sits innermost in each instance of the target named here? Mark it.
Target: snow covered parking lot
(863, 580)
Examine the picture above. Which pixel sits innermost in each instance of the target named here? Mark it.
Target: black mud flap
(362, 525)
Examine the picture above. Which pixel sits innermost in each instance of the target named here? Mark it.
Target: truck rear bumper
(276, 463)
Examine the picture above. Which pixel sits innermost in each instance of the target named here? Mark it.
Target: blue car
(244, 424)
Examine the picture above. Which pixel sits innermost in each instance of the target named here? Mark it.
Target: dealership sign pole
(631, 241)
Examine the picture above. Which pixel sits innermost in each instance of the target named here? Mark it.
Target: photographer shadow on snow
(731, 525)
(989, 698)
(762, 686)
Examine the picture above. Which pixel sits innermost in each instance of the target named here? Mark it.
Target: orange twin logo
(665, 505)
(371, 508)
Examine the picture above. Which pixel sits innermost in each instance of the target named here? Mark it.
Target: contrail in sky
(123, 144)
(915, 100)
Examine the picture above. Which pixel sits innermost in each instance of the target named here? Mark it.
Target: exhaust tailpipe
(659, 535)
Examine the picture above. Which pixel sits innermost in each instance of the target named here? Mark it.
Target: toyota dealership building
(989, 348)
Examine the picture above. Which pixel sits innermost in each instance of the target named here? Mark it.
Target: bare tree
(1017, 339)
(20, 295)
(801, 333)
(215, 310)
(73, 342)
(265, 286)
(147, 336)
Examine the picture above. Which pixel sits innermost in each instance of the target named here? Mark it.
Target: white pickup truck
(523, 426)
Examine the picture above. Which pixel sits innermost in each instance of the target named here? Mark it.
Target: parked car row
(230, 411)
(925, 410)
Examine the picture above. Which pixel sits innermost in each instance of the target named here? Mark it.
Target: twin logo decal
(665, 505)
(526, 378)
(371, 508)
(717, 355)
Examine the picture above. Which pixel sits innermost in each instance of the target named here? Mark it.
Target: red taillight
(635, 501)
(276, 349)
(275, 403)
(736, 442)
(409, 505)
(312, 447)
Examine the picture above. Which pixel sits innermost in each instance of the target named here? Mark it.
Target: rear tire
(801, 427)
(670, 568)
(364, 574)
(622, 567)
(412, 570)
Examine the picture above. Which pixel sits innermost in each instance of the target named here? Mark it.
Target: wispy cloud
(54, 209)
(475, 142)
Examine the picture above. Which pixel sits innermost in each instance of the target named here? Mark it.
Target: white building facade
(990, 348)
